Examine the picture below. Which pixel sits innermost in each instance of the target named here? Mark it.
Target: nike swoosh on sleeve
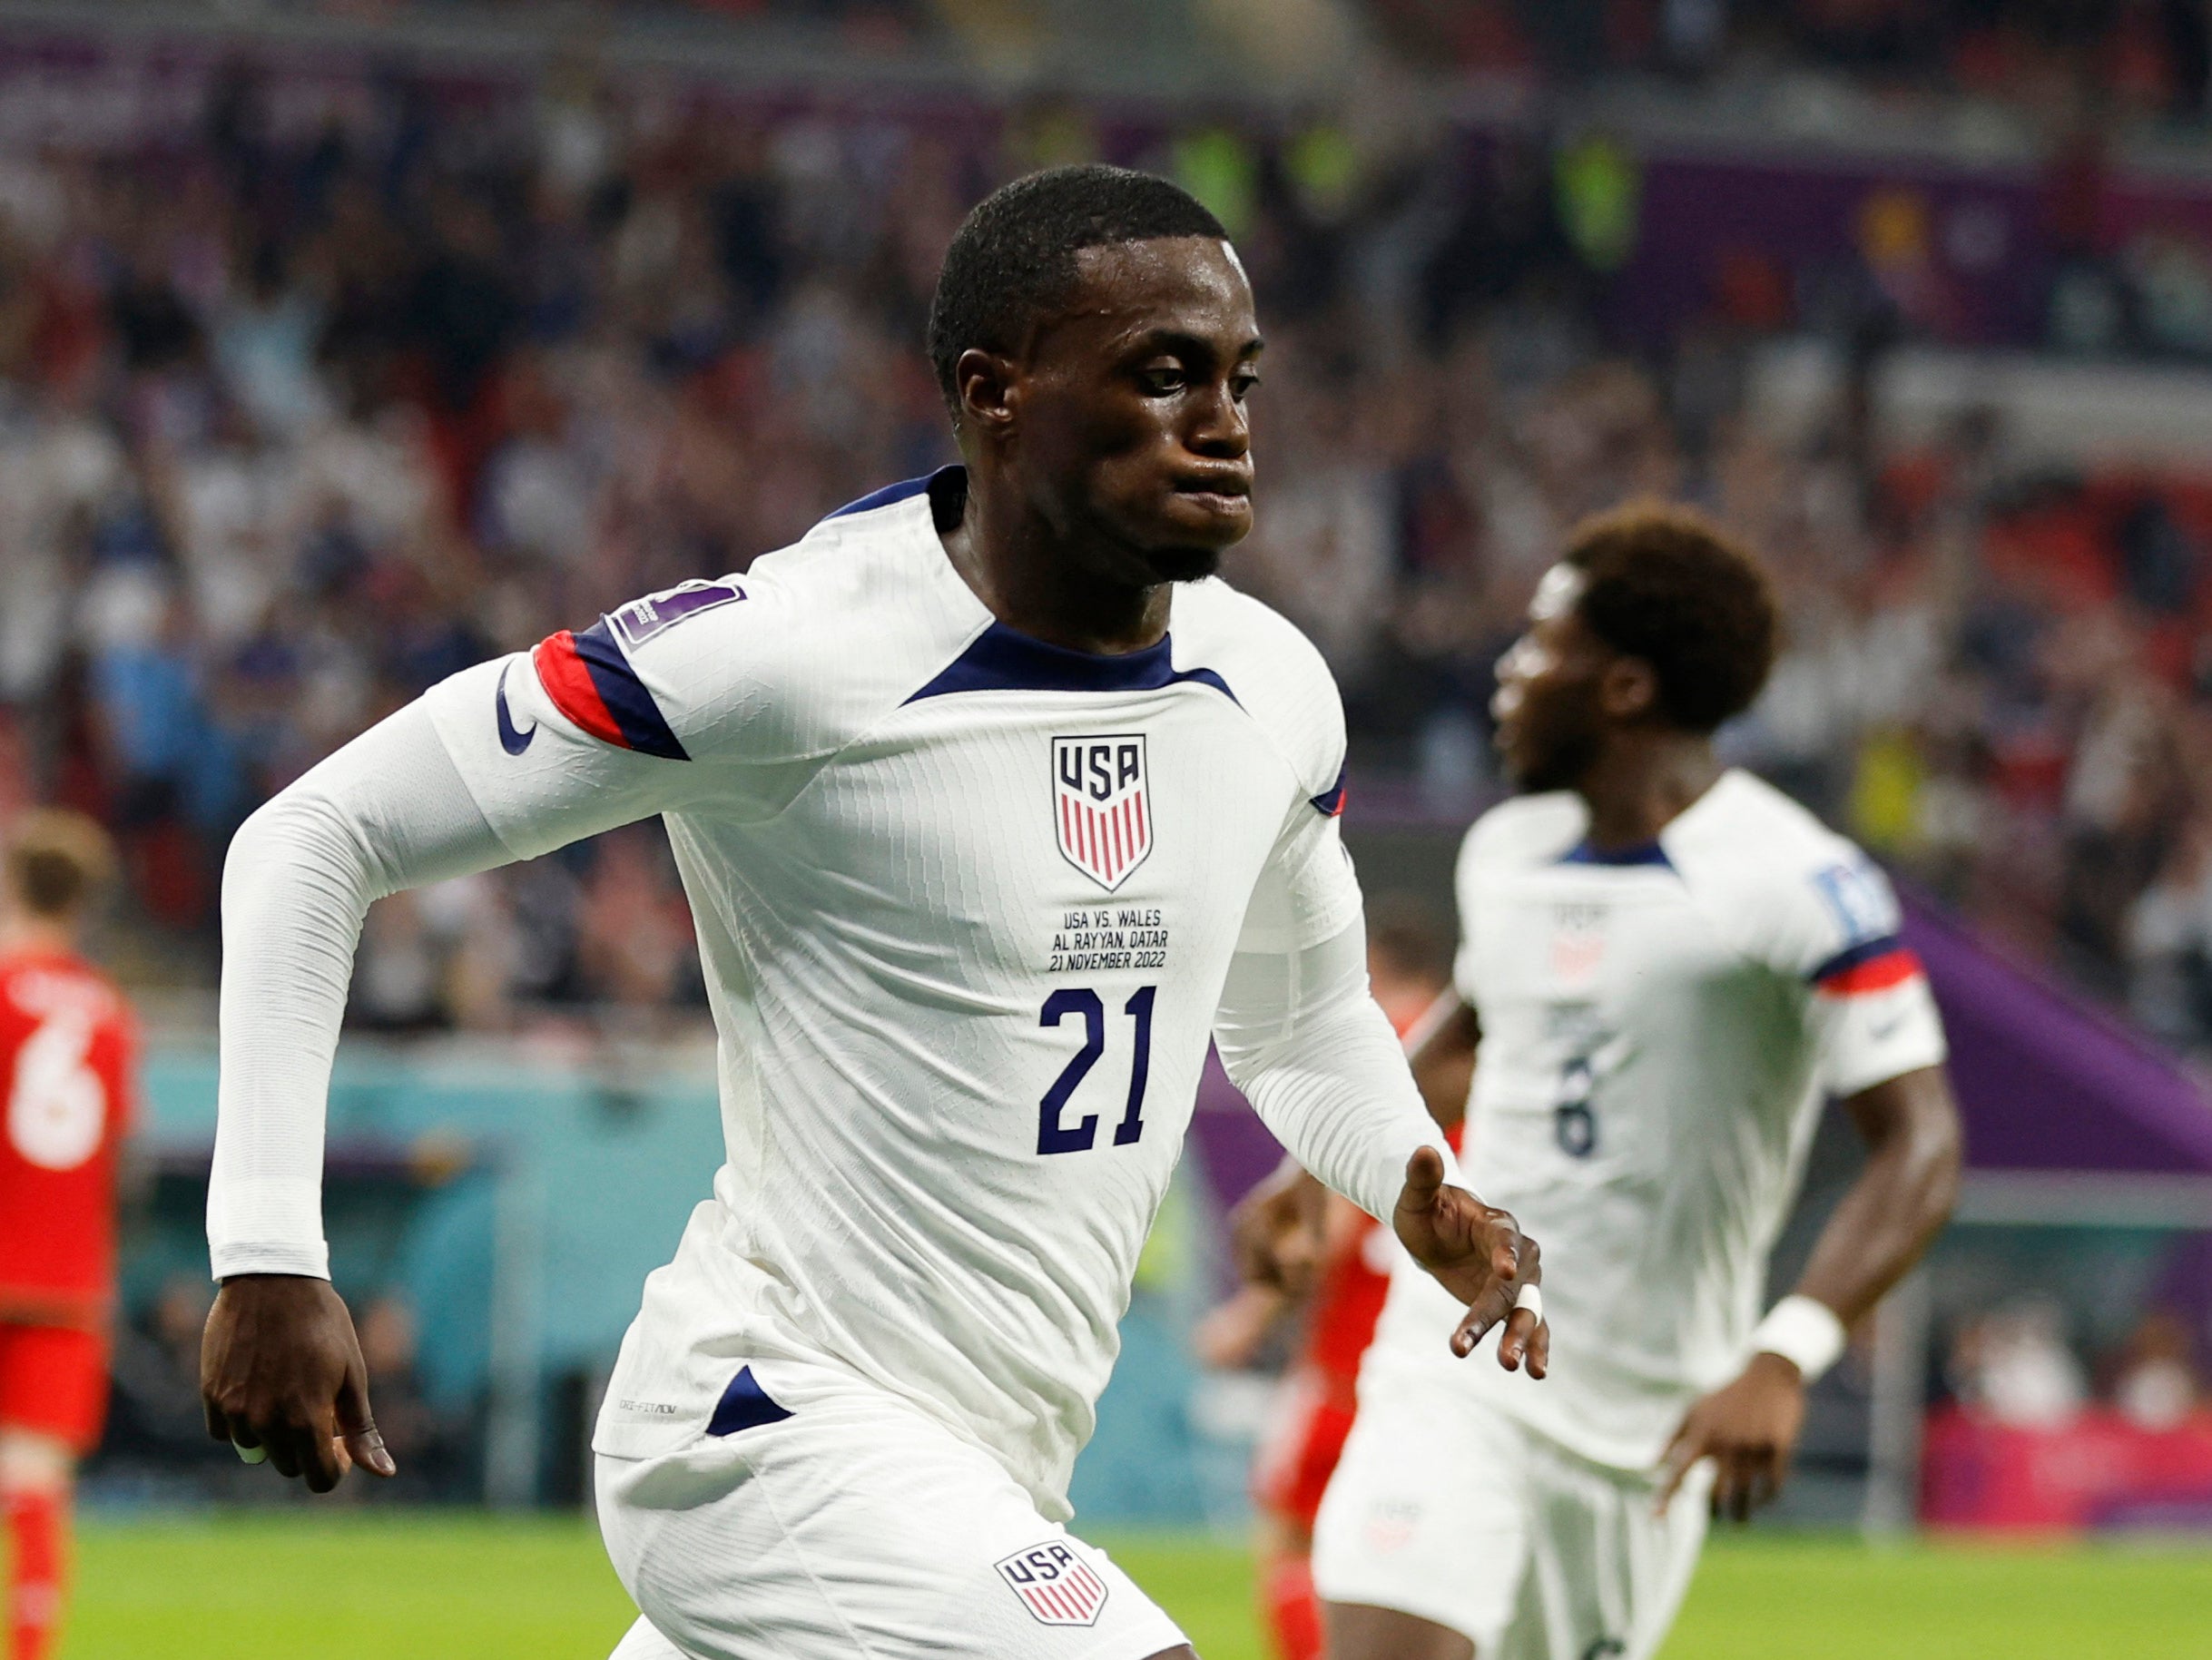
(511, 740)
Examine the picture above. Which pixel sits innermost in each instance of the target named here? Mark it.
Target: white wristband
(1803, 1331)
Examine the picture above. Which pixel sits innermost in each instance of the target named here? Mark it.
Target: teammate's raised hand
(281, 1372)
(1480, 1256)
(1749, 1430)
(1276, 1230)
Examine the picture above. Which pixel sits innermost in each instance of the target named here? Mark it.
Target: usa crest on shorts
(1101, 806)
(1056, 1586)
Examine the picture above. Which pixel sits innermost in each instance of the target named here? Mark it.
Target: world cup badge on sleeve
(1101, 806)
(1056, 1586)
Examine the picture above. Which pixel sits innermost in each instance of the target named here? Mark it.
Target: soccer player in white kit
(992, 809)
(1668, 966)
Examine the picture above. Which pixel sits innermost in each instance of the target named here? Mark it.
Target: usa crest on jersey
(1101, 808)
(1059, 1587)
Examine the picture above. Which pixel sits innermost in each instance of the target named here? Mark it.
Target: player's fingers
(1539, 1350)
(1521, 1327)
(358, 1436)
(1515, 1256)
(1424, 1179)
(1763, 1486)
(283, 1448)
(1775, 1475)
(324, 1466)
(309, 1441)
(1296, 1255)
(1485, 1312)
(1723, 1489)
(1682, 1452)
(1253, 1236)
(1741, 1465)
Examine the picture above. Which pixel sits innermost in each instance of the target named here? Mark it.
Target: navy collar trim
(1650, 853)
(906, 489)
(1001, 660)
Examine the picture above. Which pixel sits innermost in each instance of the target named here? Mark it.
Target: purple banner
(2046, 1083)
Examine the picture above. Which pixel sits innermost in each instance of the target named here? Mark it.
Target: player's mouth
(1505, 704)
(1224, 495)
(1505, 722)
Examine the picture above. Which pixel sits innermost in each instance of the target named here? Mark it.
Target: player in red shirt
(1409, 967)
(67, 1050)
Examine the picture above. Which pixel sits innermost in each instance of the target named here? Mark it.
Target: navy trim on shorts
(745, 1405)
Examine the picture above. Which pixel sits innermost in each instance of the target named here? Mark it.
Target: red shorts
(1301, 1449)
(54, 1381)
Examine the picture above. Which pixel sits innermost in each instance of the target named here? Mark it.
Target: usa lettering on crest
(1056, 1586)
(1101, 806)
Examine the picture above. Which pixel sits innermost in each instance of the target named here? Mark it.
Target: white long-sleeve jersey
(1659, 1028)
(970, 906)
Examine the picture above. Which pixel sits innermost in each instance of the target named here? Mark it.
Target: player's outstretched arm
(1902, 1199)
(280, 1368)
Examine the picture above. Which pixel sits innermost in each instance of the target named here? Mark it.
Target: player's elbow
(1916, 1145)
(295, 833)
(1935, 1148)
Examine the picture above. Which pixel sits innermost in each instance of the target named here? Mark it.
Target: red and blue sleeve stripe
(592, 682)
(1876, 965)
(1329, 802)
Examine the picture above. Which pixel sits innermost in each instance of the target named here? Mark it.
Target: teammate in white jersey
(1668, 966)
(981, 855)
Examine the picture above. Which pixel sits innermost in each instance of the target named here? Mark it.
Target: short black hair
(1667, 584)
(1013, 259)
(57, 863)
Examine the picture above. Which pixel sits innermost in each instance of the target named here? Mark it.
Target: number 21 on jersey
(1054, 1133)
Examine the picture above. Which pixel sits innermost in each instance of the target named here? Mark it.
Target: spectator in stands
(294, 423)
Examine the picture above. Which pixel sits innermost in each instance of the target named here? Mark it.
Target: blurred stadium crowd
(293, 425)
(2147, 57)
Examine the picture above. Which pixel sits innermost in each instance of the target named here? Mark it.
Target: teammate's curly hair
(1012, 262)
(1667, 584)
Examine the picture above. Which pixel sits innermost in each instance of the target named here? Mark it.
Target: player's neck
(33, 936)
(1641, 782)
(1031, 580)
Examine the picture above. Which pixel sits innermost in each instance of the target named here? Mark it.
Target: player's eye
(1240, 386)
(1163, 379)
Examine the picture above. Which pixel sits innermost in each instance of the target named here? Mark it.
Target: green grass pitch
(290, 1585)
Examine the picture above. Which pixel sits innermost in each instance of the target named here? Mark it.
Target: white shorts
(1449, 1510)
(831, 1521)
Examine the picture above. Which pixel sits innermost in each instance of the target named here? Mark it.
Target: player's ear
(989, 389)
(1628, 690)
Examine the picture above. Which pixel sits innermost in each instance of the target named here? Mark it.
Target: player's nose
(1220, 428)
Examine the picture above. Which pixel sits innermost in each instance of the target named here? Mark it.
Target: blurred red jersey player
(1409, 965)
(66, 1069)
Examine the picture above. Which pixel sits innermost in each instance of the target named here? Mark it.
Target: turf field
(408, 1588)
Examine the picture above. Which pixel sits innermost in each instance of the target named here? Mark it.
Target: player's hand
(1228, 1335)
(1276, 1230)
(1749, 1430)
(1480, 1256)
(280, 1368)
